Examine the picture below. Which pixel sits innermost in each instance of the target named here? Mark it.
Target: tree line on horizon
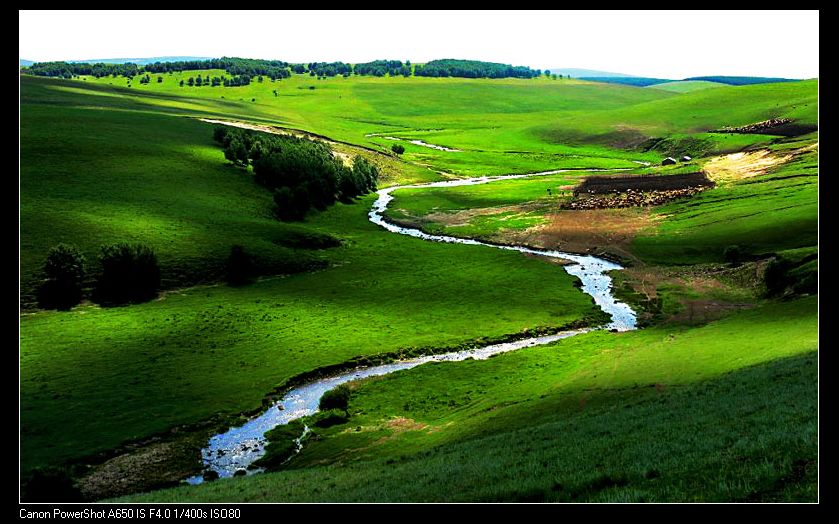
(240, 68)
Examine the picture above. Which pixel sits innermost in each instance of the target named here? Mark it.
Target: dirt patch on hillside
(343, 157)
(400, 424)
(739, 166)
(702, 311)
(705, 292)
(645, 279)
(605, 231)
(153, 466)
(253, 127)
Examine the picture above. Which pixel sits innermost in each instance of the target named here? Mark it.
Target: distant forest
(637, 81)
(474, 69)
(243, 69)
(742, 80)
(640, 81)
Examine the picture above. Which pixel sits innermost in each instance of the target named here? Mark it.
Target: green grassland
(192, 228)
(518, 126)
(763, 214)
(769, 213)
(349, 109)
(733, 416)
(418, 202)
(694, 112)
(724, 412)
(95, 176)
(209, 350)
(686, 86)
(772, 212)
(533, 191)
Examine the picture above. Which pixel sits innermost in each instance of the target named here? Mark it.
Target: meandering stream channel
(237, 448)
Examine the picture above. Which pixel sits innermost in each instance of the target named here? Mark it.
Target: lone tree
(338, 398)
(240, 268)
(775, 277)
(65, 271)
(397, 148)
(733, 255)
(130, 273)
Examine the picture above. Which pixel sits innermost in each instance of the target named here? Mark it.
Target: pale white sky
(674, 44)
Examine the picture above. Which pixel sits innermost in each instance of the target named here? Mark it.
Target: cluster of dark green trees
(474, 69)
(216, 81)
(251, 67)
(129, 273)
(244, 69)
(302, 173)
(337, 398)
(329, 69)
(384, 67)
(65, 70)
(273, 69)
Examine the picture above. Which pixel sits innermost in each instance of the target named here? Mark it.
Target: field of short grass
(93, 378)
(686, 86)
(723, 412)
(718, 410)
(773, 211)
(519, 126)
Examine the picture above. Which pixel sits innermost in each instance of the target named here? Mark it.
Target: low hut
(686, 158)
(669, 161)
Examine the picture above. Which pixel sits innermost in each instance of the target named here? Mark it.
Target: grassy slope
(534, 190)
(694, 112)
(97, 171)
(349, 109)
(220, 350)
(520, 125)
(767, 213)
(772, 212)
(686, 86)
(579, 420)
(419, 202)
(94, 176)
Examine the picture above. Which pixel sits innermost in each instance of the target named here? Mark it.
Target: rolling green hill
(693, 114)
(636, 81)
(94, 176)
(106, 169)
(716, 405)
(720, 413)
(686, 86)
(742, 80)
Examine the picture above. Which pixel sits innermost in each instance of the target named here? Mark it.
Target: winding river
(236, 449)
